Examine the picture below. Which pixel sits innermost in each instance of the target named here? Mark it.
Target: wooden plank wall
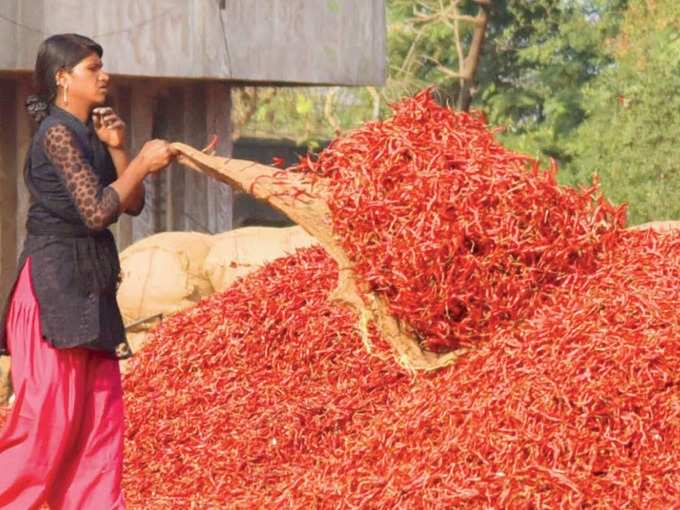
(339, 42)
(218, 118)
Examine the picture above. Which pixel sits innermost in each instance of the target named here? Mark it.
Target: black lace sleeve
(98, 206)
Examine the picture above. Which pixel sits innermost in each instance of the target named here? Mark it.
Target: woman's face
(87, 82)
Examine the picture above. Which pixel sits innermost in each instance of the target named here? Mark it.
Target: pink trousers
(62, 443)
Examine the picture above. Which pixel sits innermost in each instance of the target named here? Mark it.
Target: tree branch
(376, 102)
(474, 55)
(445, 70)
(459, 47)
(328, 110)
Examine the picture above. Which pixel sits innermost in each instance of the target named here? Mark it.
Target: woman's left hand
(109, 127)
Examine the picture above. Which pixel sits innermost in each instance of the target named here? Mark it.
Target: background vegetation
(591, 83)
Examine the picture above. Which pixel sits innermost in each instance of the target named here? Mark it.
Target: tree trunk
(473, 57)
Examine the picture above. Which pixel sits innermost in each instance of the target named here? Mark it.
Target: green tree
(536, 58)
(591, 83)
(437, 42)
(539, 57)
(632, 127)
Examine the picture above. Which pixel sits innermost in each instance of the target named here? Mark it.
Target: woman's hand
(109, 127)
(156, 155)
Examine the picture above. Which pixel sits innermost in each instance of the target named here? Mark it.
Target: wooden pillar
(218, 118)
(159, 129)
(25, 128)
(8, 184)
(173, 106)
(196, 185)
(5, 380)
(133, 101)
(122, 105)
(140, 129)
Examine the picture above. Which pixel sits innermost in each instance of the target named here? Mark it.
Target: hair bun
(37, 108)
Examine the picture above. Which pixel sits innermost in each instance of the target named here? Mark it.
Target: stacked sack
(239, 252)
(659, 226)
(171, 271)
(161, 274)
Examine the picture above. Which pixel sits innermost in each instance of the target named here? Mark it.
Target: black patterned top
(75, 266)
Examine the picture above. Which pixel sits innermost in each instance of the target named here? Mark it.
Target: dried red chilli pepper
(264, 396)
(278, 162)
(443, 172)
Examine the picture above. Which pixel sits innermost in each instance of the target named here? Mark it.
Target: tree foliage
(539, 57)
(630, 136)
(590, 83)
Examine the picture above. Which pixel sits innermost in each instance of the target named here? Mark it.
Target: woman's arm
(100, 206)
(121, 161)
(111, 131)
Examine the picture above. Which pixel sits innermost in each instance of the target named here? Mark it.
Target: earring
(66, 94)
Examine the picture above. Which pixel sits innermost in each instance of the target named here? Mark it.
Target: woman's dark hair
(61, 51)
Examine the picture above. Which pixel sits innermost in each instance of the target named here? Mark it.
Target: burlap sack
(194, 245)
(659, 226)
(236, 253)
(171, 271)
(162, 274)
(296, 238)
(154, 280)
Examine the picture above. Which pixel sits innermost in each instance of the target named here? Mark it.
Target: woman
(62, 444)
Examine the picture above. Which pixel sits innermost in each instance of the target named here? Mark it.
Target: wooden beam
(169, 124)
(123, 107)
(5, 380)
(8, 187)
(9, 214)
(25, 128)
(140, 131)
(172, 107)
(218, 122)
(196, 185)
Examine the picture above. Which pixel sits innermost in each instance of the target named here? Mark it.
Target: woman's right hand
(156, 155)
